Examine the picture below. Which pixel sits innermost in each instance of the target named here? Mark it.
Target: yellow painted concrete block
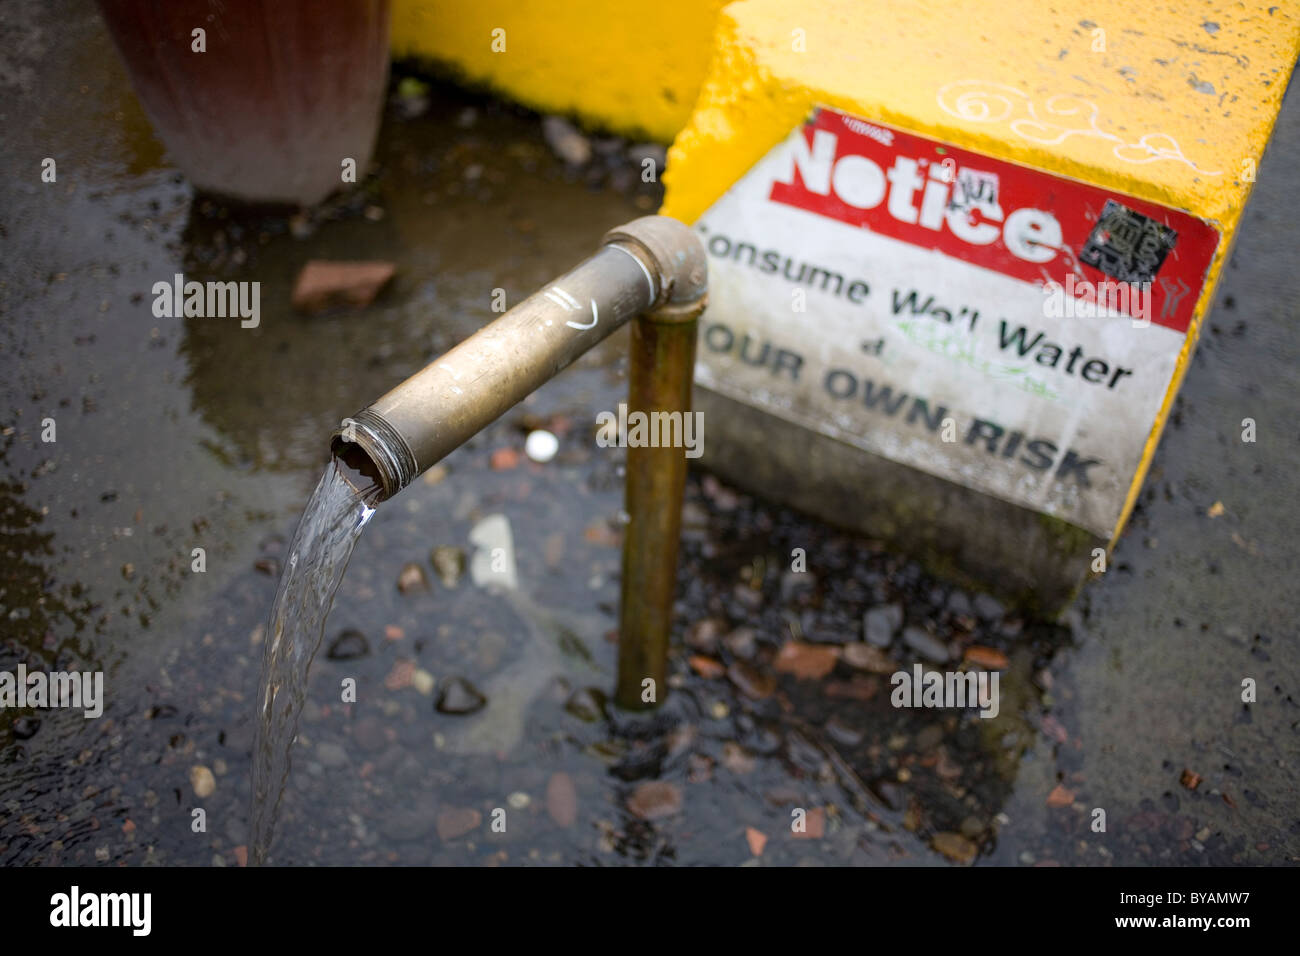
(631, 68)
(1169, 104)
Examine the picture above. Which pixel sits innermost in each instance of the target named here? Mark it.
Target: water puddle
(317, 559)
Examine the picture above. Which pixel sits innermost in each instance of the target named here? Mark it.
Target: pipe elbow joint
(674, 255)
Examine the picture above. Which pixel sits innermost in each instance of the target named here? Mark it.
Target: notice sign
(998, 326)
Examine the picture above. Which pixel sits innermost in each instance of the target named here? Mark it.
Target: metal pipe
(653, 267)
(650, 264)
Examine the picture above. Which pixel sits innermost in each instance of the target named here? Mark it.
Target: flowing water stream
(318, 557)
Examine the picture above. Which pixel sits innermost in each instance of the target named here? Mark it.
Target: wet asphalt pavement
(176, 434)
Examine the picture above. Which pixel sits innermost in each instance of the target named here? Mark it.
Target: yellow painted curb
(630, 68)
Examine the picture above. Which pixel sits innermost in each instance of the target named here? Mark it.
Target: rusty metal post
(661, 362)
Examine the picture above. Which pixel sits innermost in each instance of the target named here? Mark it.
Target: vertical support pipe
(662, 364)
(661, 372)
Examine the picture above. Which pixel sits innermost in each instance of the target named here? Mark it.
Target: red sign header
(1024, 223)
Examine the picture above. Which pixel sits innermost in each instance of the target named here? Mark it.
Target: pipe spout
(650, 265)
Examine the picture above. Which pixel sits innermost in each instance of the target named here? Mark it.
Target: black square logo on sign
(1127, 245)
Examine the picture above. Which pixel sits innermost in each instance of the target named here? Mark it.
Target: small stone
(599, 532)
(587, 704)
(804, 755)
(455, 822)
(987, 657)
(864, 657)
(895, 797)
(880, 624)
(399, 678)
(331, 754)
(322, 284)
(541, 446)
(565, 140)
(460, 697)
(24, 728)
(679, 740)
(449, 564)
(988, 608)
(703, 634)
(562, 799)
(655, 800)
(928, 646)
(504, 459)
(268, 566)
(699, 768)
(348, 646)
(756, 839)
(519, 800)
(718, 710)
(435, 475)
(1060, 796)
(412, 578)
(959, 603)
(422, 681)
(737, 759)
(723, 498)
(955, 847)
(842, 733)
(706, 667)
(946, 767)
(412, 97)
(749, 597)
(202, 781)
(1190, 779)
(806, 661)
(742, 642)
